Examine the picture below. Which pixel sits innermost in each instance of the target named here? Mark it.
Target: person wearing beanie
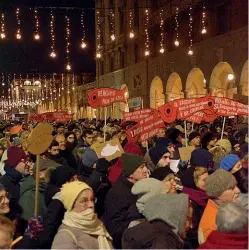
(174, 135)
(202, 158)
(208, 140)
(168, 218)
(89, 157)
(27, 190)
(166, 143)
(220, 186)
(232, 228)
(231, 163)
(195, 139)
(80, 221)
(160, 156)
(120, 203)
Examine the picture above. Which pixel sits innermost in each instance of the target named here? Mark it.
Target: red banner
(201, 116)
(104, 97)
(184, 108)
(147, 127)
(60, 116)
(137, 115)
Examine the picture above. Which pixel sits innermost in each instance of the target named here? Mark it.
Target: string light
(68, 65)
(98, 54)
(190, 50)
(161, 32)
(68, 84)
(2, 35)
(18, 33)
(147, 50)
(62, 82)
(177, 43)
(52, 53)
(83, 42)
(132, 34)
(3, 83)
(203, 21)
(112, 25)
(36, 35)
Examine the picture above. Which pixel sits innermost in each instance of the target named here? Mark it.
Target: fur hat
(70, 192)
(218, 182)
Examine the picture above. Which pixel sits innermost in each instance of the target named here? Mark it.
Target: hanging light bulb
(176, 42)
(161, 33)
(132, 35)
(190, 52)
(53, 54)
(112, 25)
(52, 47)
(68, 67)
(147, 51)
(36, 35)
(83, 43)
(2, 34)
(18, 34)
(203, 19)
(161, 50)
(190, 33)
(98, 54)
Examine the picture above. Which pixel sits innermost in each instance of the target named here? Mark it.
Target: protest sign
(59, 116)
(137, 115)
(104, 97)
(185, 152)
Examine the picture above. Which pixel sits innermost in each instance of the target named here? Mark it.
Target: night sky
(30, 56)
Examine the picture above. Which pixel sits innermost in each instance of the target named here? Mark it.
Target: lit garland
(112, 19)
(161, 33)
(83, 40)
(36, 35)
(203, 20)
(68, 64)
(68, 84)
(147, 50)
(98, 54)
(132, 34)
(2, 35)
(52, 53)
(73, 83)
(18, 33)
(3, 83)
(190, 33)
(177, 43)
(62, 82)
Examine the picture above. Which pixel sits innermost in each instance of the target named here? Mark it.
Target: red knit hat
(15, 155)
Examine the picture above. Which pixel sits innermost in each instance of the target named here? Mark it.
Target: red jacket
(218, 240)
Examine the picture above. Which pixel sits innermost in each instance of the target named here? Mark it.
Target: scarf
(14, 175)
(88, 222)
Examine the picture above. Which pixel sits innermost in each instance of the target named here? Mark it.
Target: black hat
(193, 135)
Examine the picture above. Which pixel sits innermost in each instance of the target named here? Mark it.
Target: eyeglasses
(2, 198)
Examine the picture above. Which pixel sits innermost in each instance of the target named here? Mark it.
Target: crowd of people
(136, 201)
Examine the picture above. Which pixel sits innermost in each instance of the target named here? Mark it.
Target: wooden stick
(105, 124)
(185, 130)
(37, 179)
(223, 126)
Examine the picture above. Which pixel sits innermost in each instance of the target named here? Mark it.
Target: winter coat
(218, 240)
(151, 235)
(69, 157)
(120, 209)
(208, 221)
(27, 198)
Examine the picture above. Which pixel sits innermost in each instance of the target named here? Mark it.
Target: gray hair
(232, 218)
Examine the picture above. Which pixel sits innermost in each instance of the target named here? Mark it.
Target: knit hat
(218, 182)
(229, 161)
(156, 153)
(70, 192)
(193, 135)
(206, 138)
(17, 142)
(170, 208)
(45, 164)
(163, 141)
(15, 155)
(172, 134)
(145, 189)
(201, 157)
(89, 157)
(130, 163)
(161, 173)
(225, 145)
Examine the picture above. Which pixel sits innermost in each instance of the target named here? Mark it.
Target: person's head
(88, 136)
(61, 141)
(195, 139)
(146, 188)
(5, 143)
(232, 218)
(165, 142)
(208, 140)
(231, 163)
(18, 159)
(54, 148)
(225, 145)
(4, 201)
(17, 142)
(222, 186)
(161, 132)
(200, 175)
(134, 167)
(89, 157)
(160, 156)
(77, 133)
(201, 158)
(174, 209)
(70, 137)
(175, 135)
(167, 176)
(99, 138)
(60, 128)
(7, 230)
(241, 177)
(77, 197)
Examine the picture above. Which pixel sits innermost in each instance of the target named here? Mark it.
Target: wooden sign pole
(105, 124)
(223, 127)
(37, 181)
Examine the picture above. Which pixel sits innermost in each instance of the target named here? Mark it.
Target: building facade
(136, 48)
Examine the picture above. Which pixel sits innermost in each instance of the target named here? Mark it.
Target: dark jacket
(120, 209)
(151, 235)
(218, 240)
(69, 157)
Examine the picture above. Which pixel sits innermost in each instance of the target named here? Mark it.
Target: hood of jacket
(29, 184)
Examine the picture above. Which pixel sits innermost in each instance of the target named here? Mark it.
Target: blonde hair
(169, 177)
(198, 172)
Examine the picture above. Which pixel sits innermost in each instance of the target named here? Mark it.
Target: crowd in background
(136, 201)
